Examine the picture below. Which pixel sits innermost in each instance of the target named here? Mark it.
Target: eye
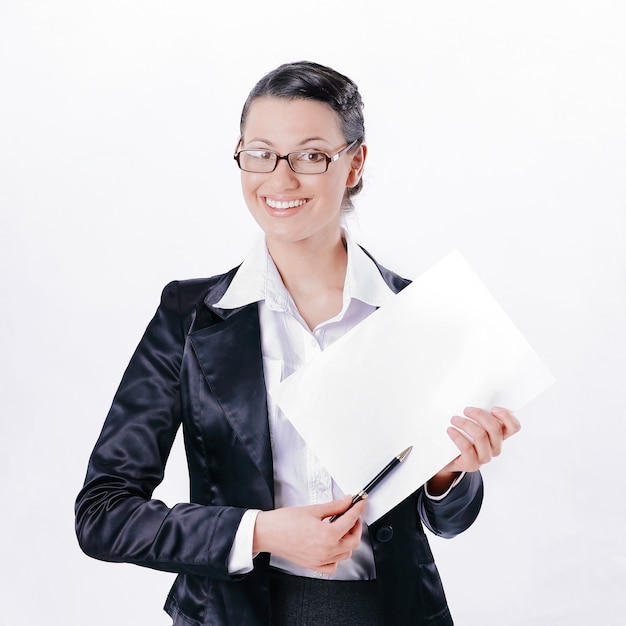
(311, 157)
(261, 155)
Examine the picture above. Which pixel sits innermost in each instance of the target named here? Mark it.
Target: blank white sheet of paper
(395, 380)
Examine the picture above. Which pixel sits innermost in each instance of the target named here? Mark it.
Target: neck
(314, 276)
(308, 266)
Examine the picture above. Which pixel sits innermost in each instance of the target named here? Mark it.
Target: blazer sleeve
(116, 517)
(457, 511)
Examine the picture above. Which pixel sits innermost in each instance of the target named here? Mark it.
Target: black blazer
(203, 369)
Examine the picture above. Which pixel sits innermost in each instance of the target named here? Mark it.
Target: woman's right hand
(304, 536)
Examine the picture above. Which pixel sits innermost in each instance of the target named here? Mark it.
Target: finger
(510, 423)
(467, 461)
(490, 423)
(334, 507)
(329, 568)
(484, 447)
(353, 515)
(349, 513)
(341, 556)
(352, 538)
(330, 562)
(355, 529)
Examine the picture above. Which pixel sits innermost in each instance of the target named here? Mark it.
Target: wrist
(441, 482)
(261, 537)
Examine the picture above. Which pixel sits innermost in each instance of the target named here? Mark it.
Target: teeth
(284, 205)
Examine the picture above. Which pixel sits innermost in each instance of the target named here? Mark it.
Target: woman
(254, 545)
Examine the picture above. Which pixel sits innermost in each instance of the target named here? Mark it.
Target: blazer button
(384, 534)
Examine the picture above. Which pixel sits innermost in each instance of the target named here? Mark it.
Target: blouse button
(384, 534)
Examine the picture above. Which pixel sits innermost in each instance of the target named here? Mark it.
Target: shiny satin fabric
(203, 370)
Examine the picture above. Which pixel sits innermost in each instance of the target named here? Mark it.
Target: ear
(356, 166)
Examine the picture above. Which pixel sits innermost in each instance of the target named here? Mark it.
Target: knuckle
(482, 436)
(465, 446)
(461, 439)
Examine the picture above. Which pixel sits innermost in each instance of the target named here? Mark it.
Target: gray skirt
(302, 601)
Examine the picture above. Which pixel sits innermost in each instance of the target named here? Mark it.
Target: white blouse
(287, 344)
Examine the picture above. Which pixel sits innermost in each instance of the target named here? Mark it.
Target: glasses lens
(308, 162)
(260, 161)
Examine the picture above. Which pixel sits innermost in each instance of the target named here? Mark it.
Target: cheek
(249, 185)
(245, 181)
(337, 187)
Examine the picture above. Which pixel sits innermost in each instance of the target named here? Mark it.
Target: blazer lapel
(227, 345)
(229, 353)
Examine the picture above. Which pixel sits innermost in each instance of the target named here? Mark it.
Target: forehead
(284, 119)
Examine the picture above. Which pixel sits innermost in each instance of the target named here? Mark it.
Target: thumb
(333, 507)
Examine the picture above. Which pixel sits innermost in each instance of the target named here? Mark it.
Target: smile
(291, 204)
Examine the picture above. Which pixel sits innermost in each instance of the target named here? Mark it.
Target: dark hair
(311, 81)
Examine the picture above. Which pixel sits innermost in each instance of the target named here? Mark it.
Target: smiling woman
(253, 545)
(289, 203)
(316, 83)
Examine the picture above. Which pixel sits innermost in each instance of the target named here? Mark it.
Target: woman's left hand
(478, 435)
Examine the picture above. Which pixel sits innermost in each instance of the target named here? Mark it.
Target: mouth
(285, 204)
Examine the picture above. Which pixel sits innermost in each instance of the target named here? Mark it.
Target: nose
(283, 176)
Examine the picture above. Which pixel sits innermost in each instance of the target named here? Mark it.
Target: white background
(495, 127)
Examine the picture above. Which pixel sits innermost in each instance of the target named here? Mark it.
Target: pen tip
(404, 453)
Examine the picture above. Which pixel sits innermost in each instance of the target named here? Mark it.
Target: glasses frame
(286, 157)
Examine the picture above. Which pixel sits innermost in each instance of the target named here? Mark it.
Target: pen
(376, 480)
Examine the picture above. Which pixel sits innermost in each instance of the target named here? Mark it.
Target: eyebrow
(302, 143)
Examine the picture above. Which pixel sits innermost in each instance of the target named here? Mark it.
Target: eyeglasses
(305, 162)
